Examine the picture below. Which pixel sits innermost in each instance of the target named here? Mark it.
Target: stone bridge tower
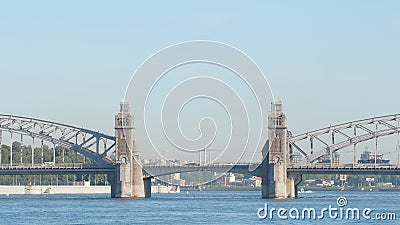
(129, 175)
(275, 181)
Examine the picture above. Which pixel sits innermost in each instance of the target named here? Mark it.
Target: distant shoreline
(48, 189)
(222, 188)
(349, 189)
(239, 188)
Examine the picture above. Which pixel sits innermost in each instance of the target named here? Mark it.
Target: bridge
(155, 170)
(148, 170)
(117, 156)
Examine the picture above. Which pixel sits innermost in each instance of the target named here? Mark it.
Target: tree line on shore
(62, 155)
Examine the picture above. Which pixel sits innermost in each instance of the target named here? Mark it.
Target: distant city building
(229, 178)
(368, 157)
(256, 181)
(295, 158)
(343, 177)
(326, 159)
(176, 179)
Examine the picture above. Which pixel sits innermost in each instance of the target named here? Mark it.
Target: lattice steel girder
(340, 132)
(298, 148)
(61, 134)
(386, 129)
(344, 126)
(364, 128)
(63, 137)
(387, 124)
(323, 142)
(106, 151)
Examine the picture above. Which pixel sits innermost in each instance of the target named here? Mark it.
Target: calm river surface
(207, 207)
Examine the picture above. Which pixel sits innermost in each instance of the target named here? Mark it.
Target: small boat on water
(302, 191)
(162, 189)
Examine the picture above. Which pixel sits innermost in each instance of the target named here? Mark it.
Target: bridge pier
(112, 179)
(267, 175)
(269, 185)
(147, 187)
(298, 180)
(292, 185)
(128, 181)
(290, 188)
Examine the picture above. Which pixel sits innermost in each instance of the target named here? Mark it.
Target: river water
(193, 207)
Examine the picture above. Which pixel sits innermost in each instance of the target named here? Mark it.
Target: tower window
(277, 122)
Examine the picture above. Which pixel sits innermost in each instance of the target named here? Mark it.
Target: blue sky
(329, 61)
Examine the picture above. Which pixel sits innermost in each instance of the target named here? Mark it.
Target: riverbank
(245, 188)
(20, 190)
(222, 188)
(28, 189)
(367, 188)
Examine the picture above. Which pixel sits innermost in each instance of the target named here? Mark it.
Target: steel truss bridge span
(92, 144)
(156, 170)
(343, 135)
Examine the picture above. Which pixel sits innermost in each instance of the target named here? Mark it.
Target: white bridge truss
(334, 138)
(92, 144)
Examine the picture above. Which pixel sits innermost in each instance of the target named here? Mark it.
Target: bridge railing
(345, 166)
(47, 166)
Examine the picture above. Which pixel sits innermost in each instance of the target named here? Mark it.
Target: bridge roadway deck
(156, 170)
(149, 170)
(367, 169)
(60, 169)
